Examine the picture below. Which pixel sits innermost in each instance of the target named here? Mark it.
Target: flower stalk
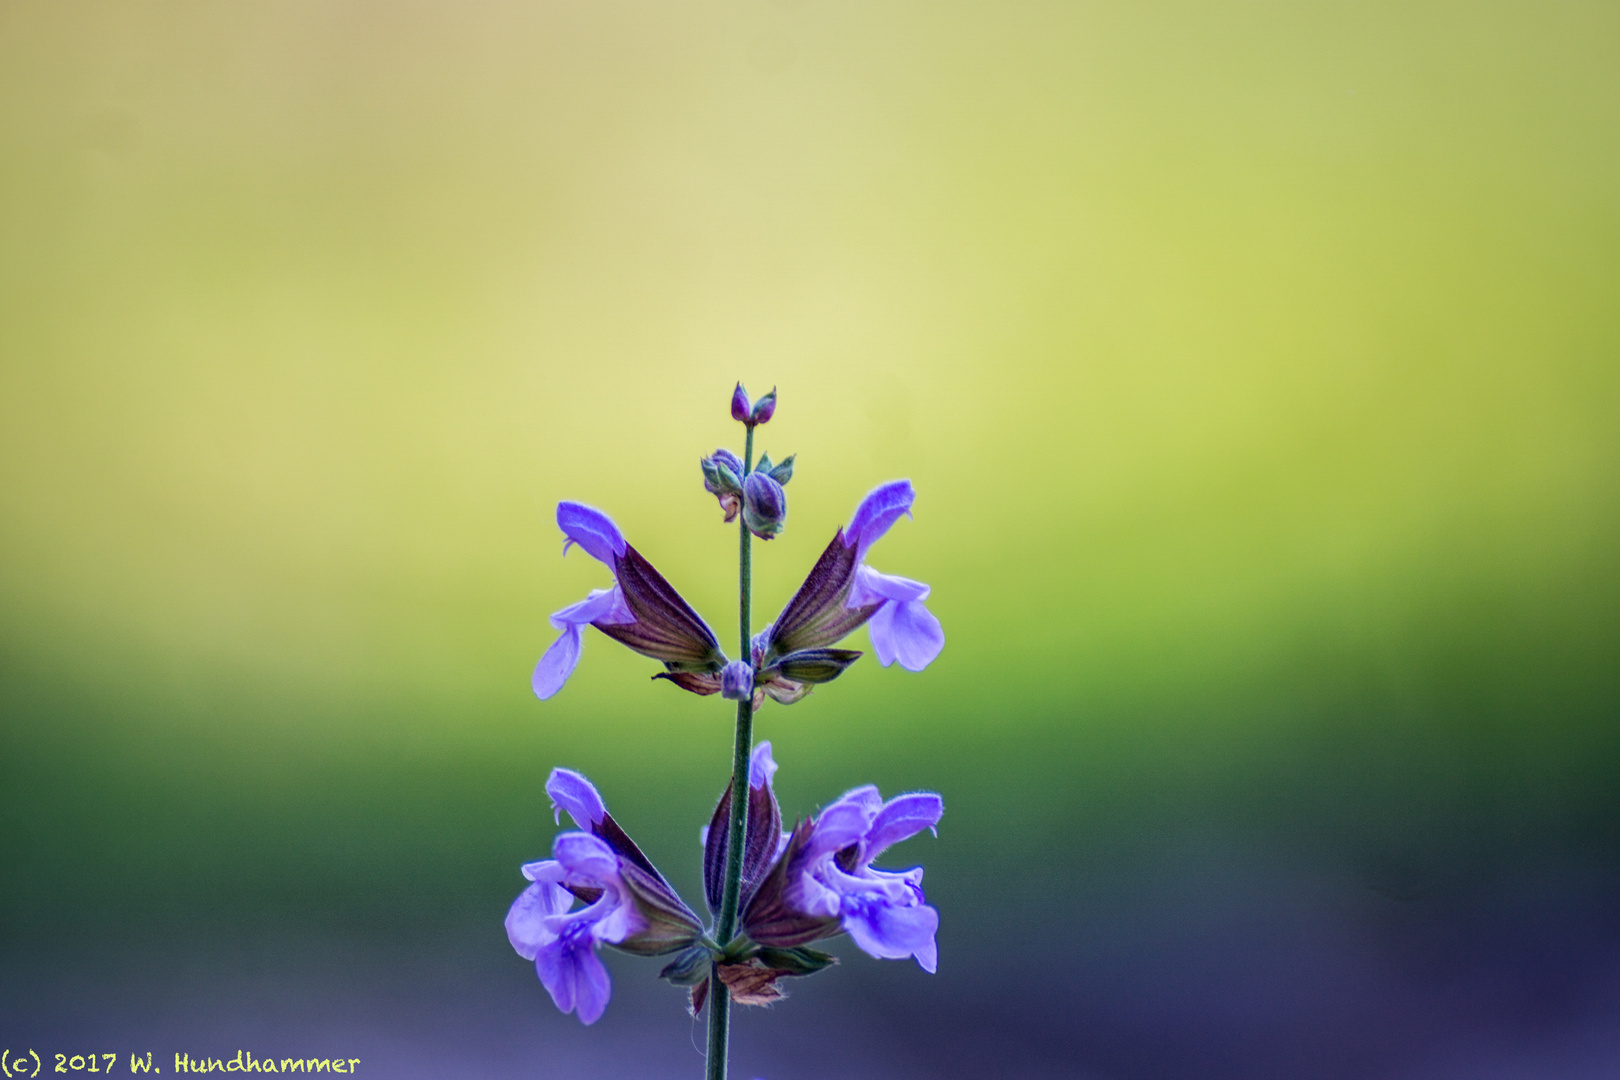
(737, 826)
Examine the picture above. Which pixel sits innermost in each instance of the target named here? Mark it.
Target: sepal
(812, 665)
(698, 683)
(799, 961)
(670, 924)
(689, 968)
(760, 842)
(751, 983)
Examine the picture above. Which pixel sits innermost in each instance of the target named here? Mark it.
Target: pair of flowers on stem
(784, 889)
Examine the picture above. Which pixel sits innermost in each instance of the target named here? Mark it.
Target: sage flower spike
(641, 611)
(628, 904)
(840, 595)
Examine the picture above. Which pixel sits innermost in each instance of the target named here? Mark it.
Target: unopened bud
(784, 472)
(739, 405)
(763, 409)
(764, 505)
(737, 680)
(722, 478)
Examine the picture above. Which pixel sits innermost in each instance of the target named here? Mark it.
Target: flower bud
(722, 478)
(763, 409)
(737, 680)
(764, 505)
(739, 405)
(784, 472)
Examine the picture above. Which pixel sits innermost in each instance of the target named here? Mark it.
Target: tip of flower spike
(740, 408)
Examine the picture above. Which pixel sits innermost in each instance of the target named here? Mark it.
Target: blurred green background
(1257, 366)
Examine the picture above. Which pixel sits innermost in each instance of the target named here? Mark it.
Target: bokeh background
(1258, 369)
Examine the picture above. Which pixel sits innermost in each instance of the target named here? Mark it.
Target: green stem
(742, 749)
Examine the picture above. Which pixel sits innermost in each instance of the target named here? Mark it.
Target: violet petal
(572, 792)
(877, 512)
(590, 529)
(872, 587)
(902, 817)
(525, 921)
(908, 633)
(893, 932)
(557, 663)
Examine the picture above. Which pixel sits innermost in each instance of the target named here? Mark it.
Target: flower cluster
(800, 886)
(792, 654)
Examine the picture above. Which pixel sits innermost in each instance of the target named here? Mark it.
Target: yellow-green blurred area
(1257, 366)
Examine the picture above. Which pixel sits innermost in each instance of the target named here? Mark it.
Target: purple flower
(642, 611)
(627, 903)
(562, 943)
(823, 883)
(841, 594)
(739, 405)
